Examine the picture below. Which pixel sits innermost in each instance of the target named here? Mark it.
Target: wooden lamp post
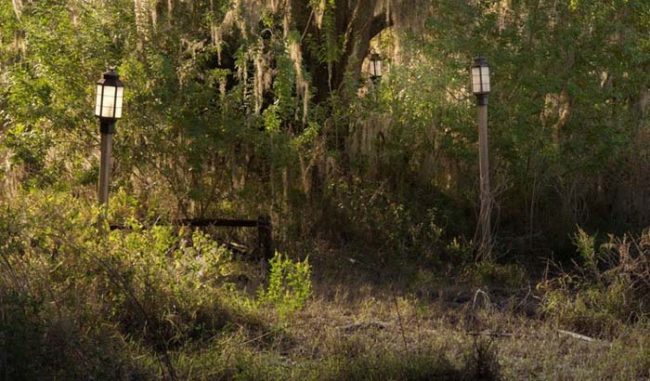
(481, 89)
(108, 108)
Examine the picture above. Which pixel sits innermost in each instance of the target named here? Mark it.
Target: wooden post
(107, 129)
(265, 237)
(105, 168)
(485, 214)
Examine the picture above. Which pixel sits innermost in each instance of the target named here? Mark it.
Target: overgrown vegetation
(85, 300)
(236, 108)
(608, 291)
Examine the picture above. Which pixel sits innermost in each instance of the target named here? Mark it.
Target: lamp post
(108, 107)
(481, 89)
(375, 67)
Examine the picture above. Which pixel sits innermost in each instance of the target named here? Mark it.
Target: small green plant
(586, 247)
(289, 284)
(459, 251)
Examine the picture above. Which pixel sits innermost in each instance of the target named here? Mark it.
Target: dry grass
(525, 348)
(360, 331)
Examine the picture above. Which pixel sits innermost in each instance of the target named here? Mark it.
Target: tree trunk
(356, 24)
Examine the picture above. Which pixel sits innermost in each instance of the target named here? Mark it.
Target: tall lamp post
(481, 89)
(108, 107)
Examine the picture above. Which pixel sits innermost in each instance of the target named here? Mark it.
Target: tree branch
(379, 23)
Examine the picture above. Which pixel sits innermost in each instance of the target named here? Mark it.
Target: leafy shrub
(289, 284)
(51, 326)
(460, 251)
(376, 220)
(78, 302)
(168, 281)
(612, 290)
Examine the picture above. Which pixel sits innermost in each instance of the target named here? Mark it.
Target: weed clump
(289, 285)
(482, 361)
(607, 291)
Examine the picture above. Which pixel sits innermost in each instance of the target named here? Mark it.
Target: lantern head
(375, 66)
(480, 77)
(110, 93)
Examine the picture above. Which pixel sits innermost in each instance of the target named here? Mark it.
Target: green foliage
(284, 88)
(47, 318)
(585, 246)
(560, 126)
(30, 146)
(590, 311)
(271, 119)
(566, 113)
(67, 290)
(289, 285)
(392, 227)
(601, 305)
(172, 283)
(225, 117)
(460, 251)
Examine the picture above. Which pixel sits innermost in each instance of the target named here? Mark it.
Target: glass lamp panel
(476, 80)
(108, 102)
(485, 79)
(377, 68)
(118, 102)
(98, 101)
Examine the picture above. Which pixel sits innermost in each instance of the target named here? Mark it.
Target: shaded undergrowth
(80, 302)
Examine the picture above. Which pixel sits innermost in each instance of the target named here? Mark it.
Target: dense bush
(388, 228)
(608, 289)
(73, 296)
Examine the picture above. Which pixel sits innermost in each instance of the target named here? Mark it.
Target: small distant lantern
(481, 79)
(375, 67)
(110, 93)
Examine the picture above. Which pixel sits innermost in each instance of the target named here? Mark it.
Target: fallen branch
(363, 325)
(491, 334)
(577, 335)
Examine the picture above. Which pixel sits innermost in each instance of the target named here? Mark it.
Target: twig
(577, 335)
(491, 334)
(486, 298)
(399, 319)
(259, 337)
(304, 33)
(367, 324)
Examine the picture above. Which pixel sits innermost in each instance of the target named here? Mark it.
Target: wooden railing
(264, 247)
